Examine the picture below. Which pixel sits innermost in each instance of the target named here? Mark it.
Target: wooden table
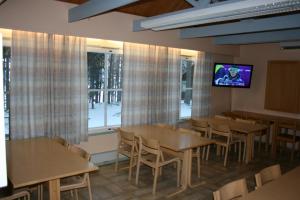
(177, 142)
(287, 187)
(39, 160)
(244, 128)
(272, 119)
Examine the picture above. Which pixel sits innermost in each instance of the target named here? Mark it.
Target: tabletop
(32, 161)
(241, 127)
(170, 139)
(286, 187)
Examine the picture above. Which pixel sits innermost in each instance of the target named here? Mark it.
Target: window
(6, 69)
(186, 83)
(105, 89)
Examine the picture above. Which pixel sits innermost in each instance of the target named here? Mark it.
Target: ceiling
(232, 22)
(147, 8)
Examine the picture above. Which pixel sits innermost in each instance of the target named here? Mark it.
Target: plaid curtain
(150, 84)
(48, 86)
(202, 85)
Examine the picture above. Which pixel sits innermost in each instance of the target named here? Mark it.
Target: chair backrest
(222, 117)
(149, 146)
(126, 137)
(60, 140)
(166, 126)
(80, 152)
(267, 175)
(248, 121)
(220, 129)
(232, 190)
(287, 125)
(188, 131)
(200, 126)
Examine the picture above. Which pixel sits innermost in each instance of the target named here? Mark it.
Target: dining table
(286, 187)
(41, 160)
(250, 130)
(177, 142)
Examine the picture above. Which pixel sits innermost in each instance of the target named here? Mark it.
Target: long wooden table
(174, 141)
(272, 119)
(40, 160)
(287, 187)
(244, 128)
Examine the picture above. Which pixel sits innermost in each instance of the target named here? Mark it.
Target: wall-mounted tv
(232, 75)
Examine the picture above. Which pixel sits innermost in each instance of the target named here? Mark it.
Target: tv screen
(232, 75)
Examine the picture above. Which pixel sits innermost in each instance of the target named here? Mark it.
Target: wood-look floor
(106, 184)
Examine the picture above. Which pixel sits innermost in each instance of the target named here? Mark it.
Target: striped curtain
(150, 84)
(202, 85)
(48, 86)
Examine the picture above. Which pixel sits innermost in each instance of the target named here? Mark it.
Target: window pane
(96, 70)
(114, 77)
(186, 104)
(6, 69)
(96, 109)
(187, 67)
(114, 104)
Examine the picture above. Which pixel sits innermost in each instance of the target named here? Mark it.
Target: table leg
(185, 173)
(54, 189)
(274, 145)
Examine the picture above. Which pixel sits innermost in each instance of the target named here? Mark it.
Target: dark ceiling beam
(245, 26)
(197, 3)
(256, 38)
(95, 7)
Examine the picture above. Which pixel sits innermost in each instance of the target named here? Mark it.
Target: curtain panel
(150, 84)
(48, 86)
(203, 71)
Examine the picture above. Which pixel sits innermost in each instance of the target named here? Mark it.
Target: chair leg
(259, 144)
(137, 171)
(89, 188)
(155, 180)
(117, 162)
(198, 162)
(293, 151)
(240, 150)
(130, 168)
(203, 152)
(76, 194)
(207, 152)
(226, 155)
(178, 172)
(244, 152)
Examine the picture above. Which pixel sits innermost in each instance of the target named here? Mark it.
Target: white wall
(51, 16)
(253, 99)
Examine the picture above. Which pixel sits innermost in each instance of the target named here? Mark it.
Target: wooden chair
(61, 141)
(154, 160)
(234, 190)
(223, 138)
(283, 135)
(77, 182)
(202, 127)
(127, 146)
(267, 175)
(24, 195)
(166, 126)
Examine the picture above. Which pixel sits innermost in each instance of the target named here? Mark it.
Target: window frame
(182, 58)
(106, 52)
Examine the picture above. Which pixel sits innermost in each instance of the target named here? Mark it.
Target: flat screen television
(232, 75)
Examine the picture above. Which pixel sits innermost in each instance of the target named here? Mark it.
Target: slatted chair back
(234, 190)
(247, 121)
(80, 152)
(220, 129)
(222, 117)
(60, 140)
(267, 175)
